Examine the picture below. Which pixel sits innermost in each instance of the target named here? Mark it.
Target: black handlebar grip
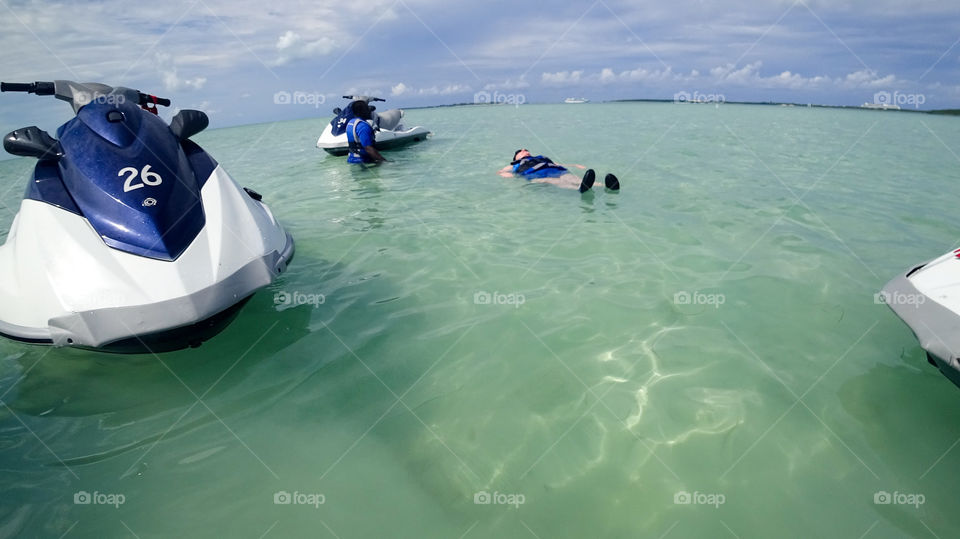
(146, 99)
(44, 88)
(17, 86)
(39, 88)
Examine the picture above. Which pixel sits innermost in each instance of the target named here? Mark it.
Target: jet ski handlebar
(39, 88)
(49, 88)
(363, 98)
(147, 99)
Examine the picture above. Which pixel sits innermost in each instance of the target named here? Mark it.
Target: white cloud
(292, 46)
(727, 75)
(367, 91)
(452, 89)
(449, 89)
(750, 75)
(508, 84)
(868, 79)
(644, 75)
(172, 82)
(609, 76)
(561, 78)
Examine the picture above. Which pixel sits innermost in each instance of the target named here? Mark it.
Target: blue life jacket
(357, 152)
(537, 166)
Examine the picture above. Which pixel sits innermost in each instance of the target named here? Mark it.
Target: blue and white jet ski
(130, 237)
(387, 129)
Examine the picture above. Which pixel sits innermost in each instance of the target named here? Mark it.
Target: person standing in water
(360, 137)
(540, 169)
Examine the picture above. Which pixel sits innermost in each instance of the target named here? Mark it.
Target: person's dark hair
(515, 154)
(361, 110)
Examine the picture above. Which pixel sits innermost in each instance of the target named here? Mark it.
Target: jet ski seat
(388, 119)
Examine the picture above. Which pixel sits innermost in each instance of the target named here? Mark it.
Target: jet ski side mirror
(337, 111)
(188, 123)
(32, 142)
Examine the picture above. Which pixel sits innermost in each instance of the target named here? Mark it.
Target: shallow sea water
(780, 400)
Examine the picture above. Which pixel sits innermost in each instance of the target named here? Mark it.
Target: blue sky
(233, 59)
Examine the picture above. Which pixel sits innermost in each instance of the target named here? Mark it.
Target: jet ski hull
(924, 299)
(385, 139)
(60, 284)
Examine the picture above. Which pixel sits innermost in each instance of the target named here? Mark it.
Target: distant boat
(880, 106)
(576, 100)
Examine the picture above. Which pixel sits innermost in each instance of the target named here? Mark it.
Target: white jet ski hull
(927, 299)
(61, 284)
(386, 139)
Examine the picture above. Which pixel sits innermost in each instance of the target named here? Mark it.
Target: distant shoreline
(949, 112)
(943, 112)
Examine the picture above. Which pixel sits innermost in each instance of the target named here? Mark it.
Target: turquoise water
(782, 398)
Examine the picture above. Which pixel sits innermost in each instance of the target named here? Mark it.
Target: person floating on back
(360, 136)
(540, 169)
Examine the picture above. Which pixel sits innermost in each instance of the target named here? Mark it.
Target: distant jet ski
(389, 132)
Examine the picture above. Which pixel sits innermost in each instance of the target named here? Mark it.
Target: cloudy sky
(238, 59)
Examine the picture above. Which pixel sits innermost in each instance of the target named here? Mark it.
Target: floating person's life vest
(537, 166)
